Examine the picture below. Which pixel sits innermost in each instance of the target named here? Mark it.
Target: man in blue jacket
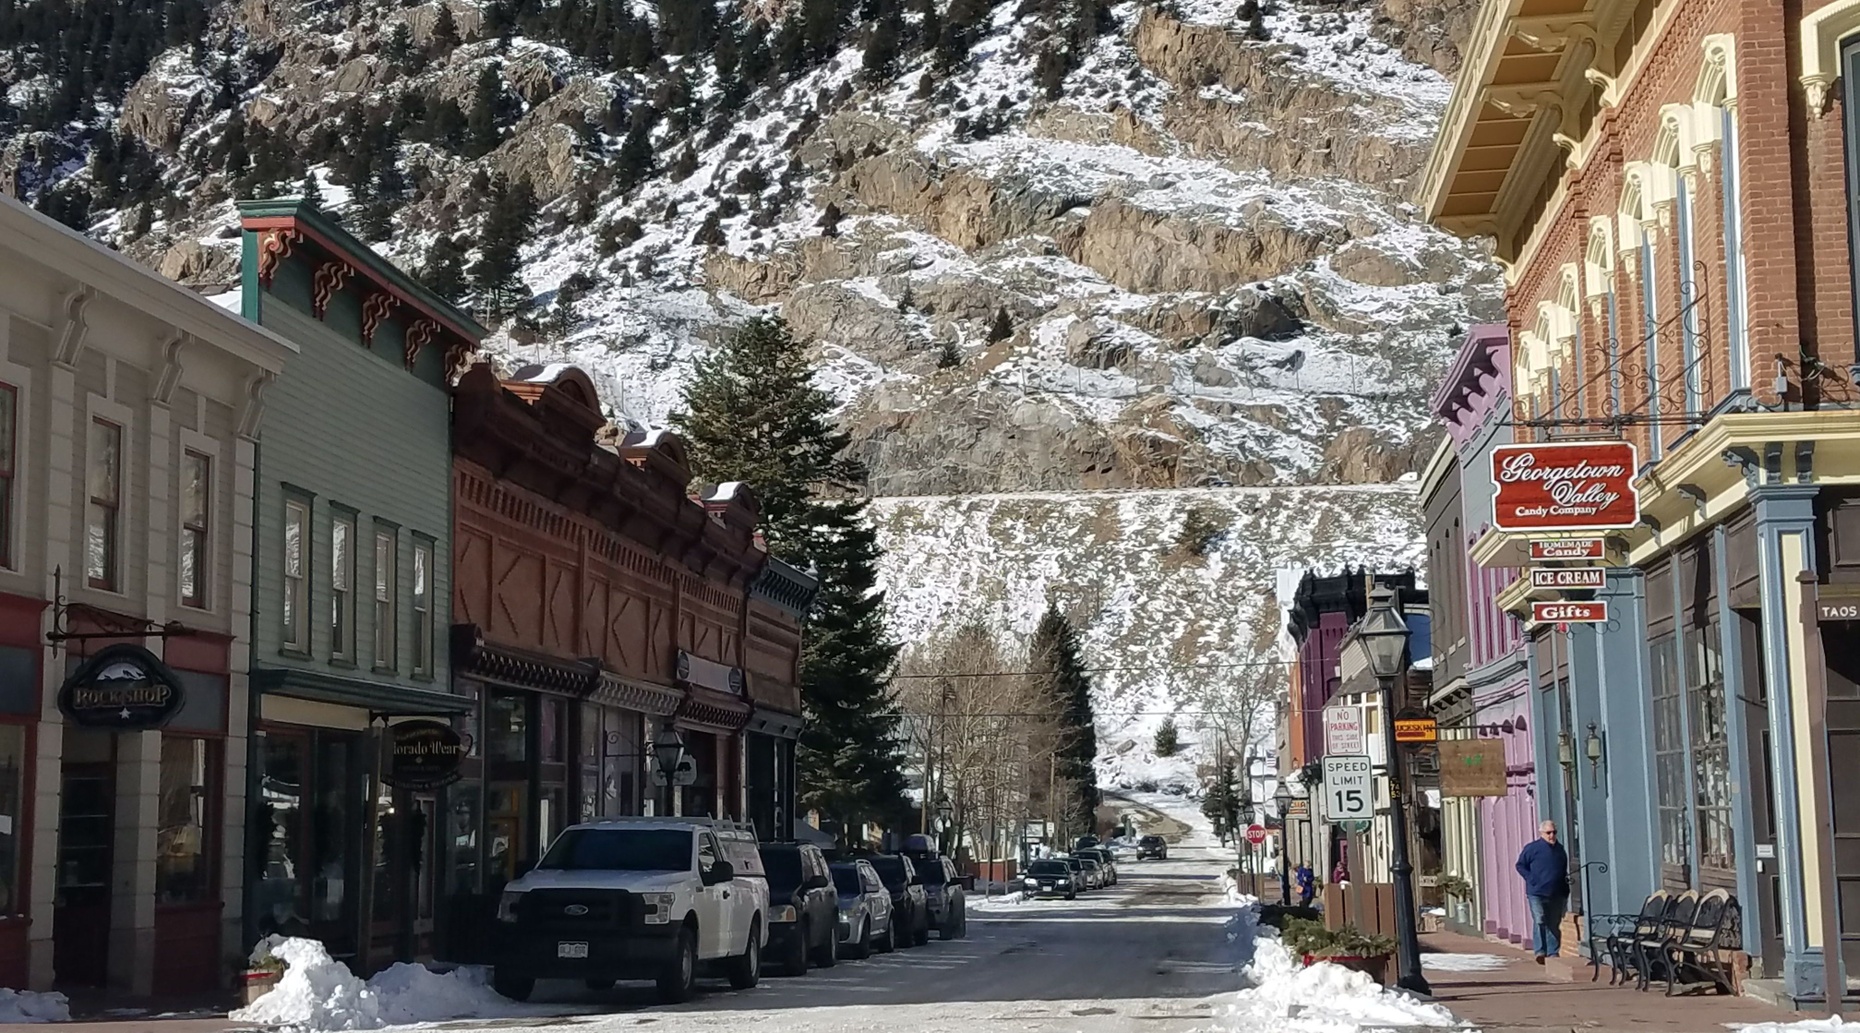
(1545, 867)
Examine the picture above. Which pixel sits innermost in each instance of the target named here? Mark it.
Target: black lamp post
(1284, 799)
(668, 752)
(1384, 638)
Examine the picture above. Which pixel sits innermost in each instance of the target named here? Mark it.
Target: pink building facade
(1484, 655)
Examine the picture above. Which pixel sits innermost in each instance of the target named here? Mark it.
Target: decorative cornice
(274, 246)
(252, 410)
(170, 376)
(71, 334)
(376, 309)
(328, 282)
(420, 333)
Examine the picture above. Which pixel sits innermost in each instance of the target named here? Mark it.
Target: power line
(1097, 670)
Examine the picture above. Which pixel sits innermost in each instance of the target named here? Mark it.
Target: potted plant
(1459, 894)
(1348, 947)
(262, 972)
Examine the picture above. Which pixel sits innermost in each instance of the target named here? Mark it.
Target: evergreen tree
(498, 272)
(311, 191)
(752, 413)
(881, 47)
(1221, 805)
(755, 62)
(710, 234)
(399, 46)
(481, 131)
(1055, 657)
(686, 27)
(445, 37)
(443, 270)
(1253, 18)
(1168, 744)
(1002, 328)
(142, 222)
(830, 220)
(634, 162)
(949, 356)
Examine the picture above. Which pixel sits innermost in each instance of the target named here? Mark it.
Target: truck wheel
(860, 946)
(952, 921)
(517, 988)
(795, 963)
(828, 953)
(923, 933)
(680, 976)
(746, 968)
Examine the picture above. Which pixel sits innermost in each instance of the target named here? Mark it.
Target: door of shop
(1754, 698)
(406, 844)
(81, 911)
(308, 818)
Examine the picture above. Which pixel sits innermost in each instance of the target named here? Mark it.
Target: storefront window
(462, 798)
(552, 732)
(278, 855)
(507, 722)
(467, 723)
(12, 817)
(1669, 752)
(183, 851)
(1710, 751)
(590, 763)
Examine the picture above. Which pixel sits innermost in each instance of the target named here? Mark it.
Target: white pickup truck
(636, 898)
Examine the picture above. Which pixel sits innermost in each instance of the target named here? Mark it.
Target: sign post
(1343, 730)
(1349, 789)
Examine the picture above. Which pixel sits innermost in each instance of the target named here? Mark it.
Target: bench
(1703, 951)
(1675, 938)
(1611, 937)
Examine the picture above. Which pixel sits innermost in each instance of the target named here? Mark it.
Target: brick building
(1668, 183)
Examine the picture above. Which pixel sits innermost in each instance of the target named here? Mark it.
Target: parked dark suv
(804, 910)
(910, 914)
(943, 892)
(1152, 846)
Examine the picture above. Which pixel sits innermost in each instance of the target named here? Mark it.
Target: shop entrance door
(1754, 698)
(81, 911)
(405, 845)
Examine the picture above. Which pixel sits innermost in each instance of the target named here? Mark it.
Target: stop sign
(1256, 834)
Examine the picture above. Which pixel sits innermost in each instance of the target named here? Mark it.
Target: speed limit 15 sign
(1349, 788)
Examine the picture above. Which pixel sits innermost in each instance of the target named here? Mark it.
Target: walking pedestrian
(1307, 885)
(1544, 864)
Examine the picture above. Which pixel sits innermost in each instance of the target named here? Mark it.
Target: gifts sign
(1568, 486)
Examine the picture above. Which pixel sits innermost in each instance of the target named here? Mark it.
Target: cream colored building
(129, 408)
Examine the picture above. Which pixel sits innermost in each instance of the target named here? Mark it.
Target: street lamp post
(1384, 638)
(668, 752)
(1284, 799)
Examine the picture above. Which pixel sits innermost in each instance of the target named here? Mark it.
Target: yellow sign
(1416, 729)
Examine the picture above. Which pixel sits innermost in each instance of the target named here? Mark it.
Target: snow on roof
(543, 374)
(1426, 663)
(232, 300)
(726, 491)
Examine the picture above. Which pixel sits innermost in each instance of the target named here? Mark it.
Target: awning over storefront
(764, 721)
(375, 697)
(485, 661)
(638, 696)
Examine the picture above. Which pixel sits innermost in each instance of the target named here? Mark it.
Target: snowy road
(1143, 955)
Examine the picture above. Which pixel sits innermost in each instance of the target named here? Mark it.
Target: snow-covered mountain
(1041, 245)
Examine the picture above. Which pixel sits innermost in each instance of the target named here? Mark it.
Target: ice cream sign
(1565, 486)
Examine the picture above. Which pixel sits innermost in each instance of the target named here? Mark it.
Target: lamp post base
(1415, 984)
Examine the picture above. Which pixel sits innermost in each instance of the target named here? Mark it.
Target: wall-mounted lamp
(1566, 753)
(1592, 746)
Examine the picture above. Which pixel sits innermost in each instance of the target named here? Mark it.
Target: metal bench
(1649, 956)
(1610, 935)
(1701, 952)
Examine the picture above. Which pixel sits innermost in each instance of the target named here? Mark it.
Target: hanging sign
(1569, 577)
(123, 688)
(423, 755)
(1416, 729)
(1472, 767)
(1568, 549)
(1565, 486)
(1569, 613)
(1827, 610)
(709, 674)
(1343, 730)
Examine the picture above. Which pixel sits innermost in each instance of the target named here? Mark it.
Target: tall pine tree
(1056, 659)
(752, 413)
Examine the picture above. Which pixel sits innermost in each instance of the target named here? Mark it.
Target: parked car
(1094, 872)
(910, 907)
(1106, 863)
(1152, 847)
(1085, 843)
(636, 898)
(1080, 879)
(804, 909)
(943, 893)
(1050, 878)
(865, 910)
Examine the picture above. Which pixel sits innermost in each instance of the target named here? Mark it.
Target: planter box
(1374, 966)
(256, 983)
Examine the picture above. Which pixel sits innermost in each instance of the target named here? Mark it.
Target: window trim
(112, 579)
(386, 595)
(1692, 348)
(212, 829)
(1736, 331)
(10, 473)
(1850, 116)
(203, 563)
(304, 598)
(350, 519)
(424, 660)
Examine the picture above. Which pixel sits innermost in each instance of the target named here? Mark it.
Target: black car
(1085, 843)
(1107, 865)
(804, 909)
(1050, 878)
(944, 893)
(910, 913)
(1152, 846)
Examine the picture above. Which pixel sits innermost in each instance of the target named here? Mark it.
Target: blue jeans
(1547, 920)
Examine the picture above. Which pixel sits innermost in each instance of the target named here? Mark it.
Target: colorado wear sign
(1569, 613)
(423, 755)
(1568, 486)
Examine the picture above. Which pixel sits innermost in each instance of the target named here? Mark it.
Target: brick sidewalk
(1524, 997)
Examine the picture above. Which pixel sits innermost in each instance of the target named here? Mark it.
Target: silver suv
(636, 898)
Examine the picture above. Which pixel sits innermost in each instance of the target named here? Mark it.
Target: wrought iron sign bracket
(114, 625)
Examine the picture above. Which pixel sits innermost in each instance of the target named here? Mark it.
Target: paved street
(1142, 955)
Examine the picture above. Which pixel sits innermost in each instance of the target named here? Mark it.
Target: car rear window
(783, 866)
(890, 869)
(624, 850)
(846, 879)
(1151, 840)
(933, 873)
(1049, 868)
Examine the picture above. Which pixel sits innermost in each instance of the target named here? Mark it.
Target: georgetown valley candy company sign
(122, 687)
(1567, 486)
(423, 755)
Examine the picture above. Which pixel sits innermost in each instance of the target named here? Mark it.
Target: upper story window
(422, 607)
(196, 533)
(9, 455)
(296, 581)
(342, 586)
(385, 625)
(103, 515)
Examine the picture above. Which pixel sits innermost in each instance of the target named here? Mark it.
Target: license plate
(571, 949)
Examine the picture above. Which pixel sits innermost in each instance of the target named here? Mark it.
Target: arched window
(1599, 275)
(1714, 99)
(1636, 220)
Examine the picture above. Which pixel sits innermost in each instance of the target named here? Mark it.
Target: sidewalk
(1523, 997)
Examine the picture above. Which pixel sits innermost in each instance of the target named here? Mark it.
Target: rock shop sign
(423, 755)
(123, 688)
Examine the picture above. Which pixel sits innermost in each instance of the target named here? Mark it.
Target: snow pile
(1005, 902)
(32, 1006)
(319, 993)
(1284, 997)
(1463, 962)
(1831, 1024)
